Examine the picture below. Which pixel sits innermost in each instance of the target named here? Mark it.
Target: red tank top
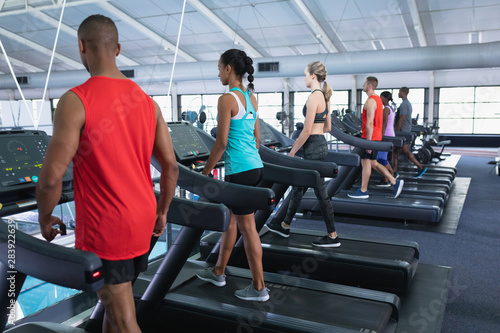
(114, 200)
(378, 120)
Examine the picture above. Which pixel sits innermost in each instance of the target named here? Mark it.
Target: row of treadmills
(346, 289)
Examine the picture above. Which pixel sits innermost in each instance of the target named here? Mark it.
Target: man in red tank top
(371, 129)
(109, 127)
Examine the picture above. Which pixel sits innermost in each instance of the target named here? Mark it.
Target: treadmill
(22, 154)
(435, 176)
(406, 169)
(367, 262)
(190, 303)
(296, 305)
(408, 206)
(77, 269)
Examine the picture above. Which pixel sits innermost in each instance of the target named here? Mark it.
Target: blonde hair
(317, 68)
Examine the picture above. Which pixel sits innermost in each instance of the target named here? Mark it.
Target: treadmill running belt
(361, 248)
(316, 307)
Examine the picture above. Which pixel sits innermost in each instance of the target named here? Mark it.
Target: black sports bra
(320, 118)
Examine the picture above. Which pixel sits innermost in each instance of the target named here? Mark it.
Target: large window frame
(473, 110)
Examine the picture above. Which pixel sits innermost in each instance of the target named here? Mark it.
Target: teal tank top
(241, 151)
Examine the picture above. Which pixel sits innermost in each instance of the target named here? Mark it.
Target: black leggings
(249, 178)
(316, 149)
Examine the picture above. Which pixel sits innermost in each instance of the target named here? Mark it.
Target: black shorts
(369, 156)
(248, 178)
(121, 271)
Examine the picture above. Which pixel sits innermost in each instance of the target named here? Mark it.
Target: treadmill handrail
(407, 135)
(34, 256)
(189, 213)
(325, 169)
(291, 176)
(31, 204)
(343, 159)
(227, 193)
(397, 141)
(359, 142)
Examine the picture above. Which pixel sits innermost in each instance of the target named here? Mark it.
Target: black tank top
(320, 118)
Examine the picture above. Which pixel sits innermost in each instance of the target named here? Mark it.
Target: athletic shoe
(398, 187)
(327, 241)
(250, 294)
(209, 276)
(359, 194)
(383, 183)
(396, 175)
(277, 228)
(421, 172)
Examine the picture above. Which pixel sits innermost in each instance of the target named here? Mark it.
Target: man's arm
(69, 120)
(164, 153)
(370, 107)
(402, 117)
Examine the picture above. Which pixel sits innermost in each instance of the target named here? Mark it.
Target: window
(165, 104)
(210, 103)
(195, 104)
(270, 104)
(300, 99)
(469, 110)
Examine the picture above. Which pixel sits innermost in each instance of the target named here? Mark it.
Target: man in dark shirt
(404, 125)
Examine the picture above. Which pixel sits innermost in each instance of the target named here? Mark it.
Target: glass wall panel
(476, 108)
(165, 104)
(269, 105)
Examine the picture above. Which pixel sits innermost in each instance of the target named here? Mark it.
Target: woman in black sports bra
(312, 138)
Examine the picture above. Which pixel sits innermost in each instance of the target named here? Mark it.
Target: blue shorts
(382, 158)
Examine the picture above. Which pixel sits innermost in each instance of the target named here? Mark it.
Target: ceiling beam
(72, 32)
(314, 25)
(40, 8)
(115, 11)
(22, 64)
(40, 48)
(417, 22)
(226, 29)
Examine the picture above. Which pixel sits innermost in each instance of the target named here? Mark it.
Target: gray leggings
(316, 149)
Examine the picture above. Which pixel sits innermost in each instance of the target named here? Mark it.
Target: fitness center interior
(425, 261)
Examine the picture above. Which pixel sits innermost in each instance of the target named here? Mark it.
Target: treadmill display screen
(21, 157)
(267, 136)
(186, 142)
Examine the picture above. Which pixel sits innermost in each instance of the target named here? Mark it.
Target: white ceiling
(264, 28)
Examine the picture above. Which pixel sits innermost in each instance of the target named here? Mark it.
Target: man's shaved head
(99, 33)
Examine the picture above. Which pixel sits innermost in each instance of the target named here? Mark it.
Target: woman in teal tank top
(238, 138)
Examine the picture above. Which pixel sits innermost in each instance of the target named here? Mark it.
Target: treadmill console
(267, 136)
(188, 145)
(21, 156)
(269, 139)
